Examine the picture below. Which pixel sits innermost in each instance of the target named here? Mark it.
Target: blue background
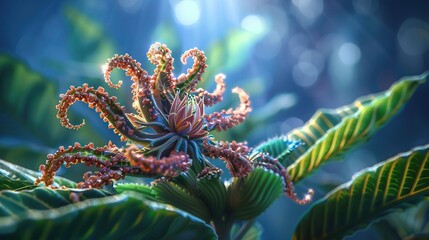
(292, 57)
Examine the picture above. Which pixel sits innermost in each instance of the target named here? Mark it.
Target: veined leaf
(251, 195)
(171, 193)
(330, 139)
(210, 203)
(323, 120)
(14, 177)
(280, 148)
(143, 189)
(188, 181)
(16, 203)
(214, 194)
(44, 214)
(375, 192)
(7, 183)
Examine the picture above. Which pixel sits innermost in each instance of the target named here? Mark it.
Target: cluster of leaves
(189, 208)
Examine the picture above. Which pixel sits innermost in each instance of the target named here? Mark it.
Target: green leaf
(16, 203)
(49, 214)
(7, 183)
(143, 189)
(174, 194)
(329, 135)
(397, 183)
(213, 193)
(209, 203)
(280, 148)
(14, 177)
(251, 195)
(323, 120)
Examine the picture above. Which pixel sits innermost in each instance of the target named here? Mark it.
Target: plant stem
(223, 229)
(243, 230)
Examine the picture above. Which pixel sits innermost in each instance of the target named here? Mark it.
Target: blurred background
(293, 57)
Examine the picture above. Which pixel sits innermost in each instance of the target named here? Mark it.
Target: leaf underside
(391, 185)
(330, 133)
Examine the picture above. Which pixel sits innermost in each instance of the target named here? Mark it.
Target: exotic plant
(168, 140)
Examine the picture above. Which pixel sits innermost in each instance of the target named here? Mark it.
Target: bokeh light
(305, 74)
(253, 23)
(293, 57)
(308, 9)
(413, 36)
(187, 12)
(349, 53)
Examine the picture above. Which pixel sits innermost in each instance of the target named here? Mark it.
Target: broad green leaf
(49, 214)
(323, 120)
(7, 183)
(14, 177)
(251, 195)
(174, 194)
(397, 183)
(16, 203)
(280, 148)
(331, 139)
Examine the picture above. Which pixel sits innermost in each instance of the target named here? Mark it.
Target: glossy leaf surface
(397, 183)
(14, 177)
(174, 194)
(51, 214)
(330, 134)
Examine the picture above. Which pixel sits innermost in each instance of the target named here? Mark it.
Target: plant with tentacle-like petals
(169, 132)
(168, 139)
